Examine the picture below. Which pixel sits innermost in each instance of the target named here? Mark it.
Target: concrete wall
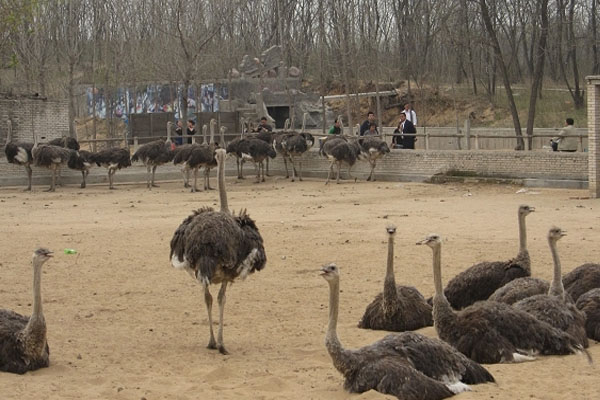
(49, 119)
(530, 168)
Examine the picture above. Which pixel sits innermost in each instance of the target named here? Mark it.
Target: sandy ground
(124, 324)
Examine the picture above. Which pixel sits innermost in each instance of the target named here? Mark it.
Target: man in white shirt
(411, 115)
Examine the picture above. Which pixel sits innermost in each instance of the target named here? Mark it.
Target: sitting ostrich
(589, 304)
(113, 159)
(23, 344)
(407, 365)
(341, 151)
(373, 148)
(51, 157)
(582, 279)
(553, 307)
(218, 247)
(153, 154)
(398, 308)
(479, 281)
(490, 332)
(19, 153)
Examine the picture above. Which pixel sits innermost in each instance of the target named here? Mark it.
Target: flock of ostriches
(493, 312)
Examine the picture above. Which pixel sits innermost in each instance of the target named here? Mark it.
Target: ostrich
(19, 153)
(295, 145)
(153, 154)
(203, 156)
(479, 281)
(553, 307)
(81, 160)
(589, 304)
(259, 151)
(519, 289)
(23, 344)
(374, 148)
(397, 308)
(51, 157)
(218, 247)
(407, 365)
(490, 332)
(66, 142)
(113, 159)
(582, 279)
(181, 155)
(341, 152)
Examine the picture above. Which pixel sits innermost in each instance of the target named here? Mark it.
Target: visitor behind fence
(410, 113)
(404, 134)
(191, 129)
(263, 126)
(179, 133)
(368, 122)
(566, 139)
(335, 129)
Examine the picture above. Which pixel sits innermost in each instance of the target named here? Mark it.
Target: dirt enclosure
(124, 324)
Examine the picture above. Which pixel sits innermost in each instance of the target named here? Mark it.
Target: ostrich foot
(222, 350)
(293, 180)
(82, 186)
(154, 185)
(368, 179)
(27, 189)
(241, 177)
(49, 190)
(212, 345)
(185, 185)
(112, 188)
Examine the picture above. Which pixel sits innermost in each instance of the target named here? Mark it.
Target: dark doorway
(279, 114)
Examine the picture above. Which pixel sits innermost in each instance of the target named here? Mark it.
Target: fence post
(468, 133)
(477, 141)
(426, 141)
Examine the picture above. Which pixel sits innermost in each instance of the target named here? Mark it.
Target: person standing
(566, 139)
(367, 124)
(407, 131)
(335, 129)
(191, 130)
(179, 133)
(410, 113)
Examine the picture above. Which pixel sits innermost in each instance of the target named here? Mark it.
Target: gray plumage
(589, 304)
(82, 161)
(398, 308)
(341, 151)
(490, 332)
(479, 281)
(582, 279)
(180, 156)
(259, 151)
(23, 344)
(373, 149)
(407, 365)
(202, 156)
(519, 289)
(292, 145)
(52, 157)
(112, 159)
(218, 247)
(153, 154)
(553, 307)
(66, 142)
(239, 148)
(19, 153)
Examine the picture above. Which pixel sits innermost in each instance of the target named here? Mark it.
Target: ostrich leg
(330, 171)
(148, 176)
(221, 300)
(300, 170)
(194, 187)
(267, 169)
(287, 173)
(350, 172)
(339, 167)
(53, 184)
(29, 174)
(293, 169)
(208, 300)
(111, 177)
(257, 167)
(185, 172)
(153, 173)
(371, 175)
(83, 175)
(207, 179)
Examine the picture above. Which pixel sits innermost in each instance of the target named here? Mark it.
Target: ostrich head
(330, 272)
(310, 140)
(525, 209)
(432, 240)
(41, 255)
(391, 229)
(555, 233)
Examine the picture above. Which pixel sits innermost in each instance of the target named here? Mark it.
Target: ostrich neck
(522, 234)
(341, 358)
(221, 182)
(442, 310)
(556, 286)
(389, 285)
(36, 321)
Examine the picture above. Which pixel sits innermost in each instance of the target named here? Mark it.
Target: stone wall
(49, 119)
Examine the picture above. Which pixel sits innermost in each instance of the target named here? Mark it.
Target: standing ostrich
(203, 156)
(407, 365)
(340, 151)
(218, 247)
(77, 162)
(582, 279)
(19, 153)
(589, 304)
(66, 142)
(51, 157)
(490, 332)
(397, 308)
(113, 159)
(181, 155)
(259, 151)
(373, 148)
(23, 344)
(295, 145)
(479, 281)
(82, 161)
(553, 307)
(153, 154)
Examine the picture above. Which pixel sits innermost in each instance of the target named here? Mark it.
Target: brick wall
(49, 119)
(593, 86)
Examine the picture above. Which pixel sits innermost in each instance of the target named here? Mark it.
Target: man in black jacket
(367, 124)
(407, 129)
